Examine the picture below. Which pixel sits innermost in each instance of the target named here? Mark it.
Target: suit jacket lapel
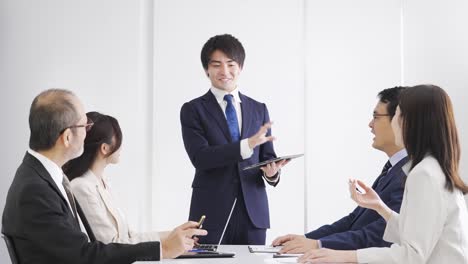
(105, 197)
(39, 168)
(247, 116)
(91, 236)
(385, 181)
(213, 108)
(380, 184)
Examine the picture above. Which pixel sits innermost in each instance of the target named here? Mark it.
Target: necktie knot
(387, 167)
(228, 98)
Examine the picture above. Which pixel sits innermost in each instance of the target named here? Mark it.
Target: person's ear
(104, 149)
(66, 137)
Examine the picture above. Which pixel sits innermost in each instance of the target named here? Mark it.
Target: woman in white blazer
(92, 191)
(432, 226)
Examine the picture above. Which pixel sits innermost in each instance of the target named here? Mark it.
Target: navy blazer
(364, 228)
(218, 162)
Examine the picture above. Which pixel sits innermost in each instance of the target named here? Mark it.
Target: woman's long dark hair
(428, 127)
(105, 128)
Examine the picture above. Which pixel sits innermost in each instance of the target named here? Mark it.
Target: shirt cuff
(246, 151)
(160, 250)
(273, 179)
(319, 244)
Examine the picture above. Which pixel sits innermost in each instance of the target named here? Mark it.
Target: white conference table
(243, 256)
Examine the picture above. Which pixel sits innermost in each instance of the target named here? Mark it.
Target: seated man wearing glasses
(41, 216)
(363, 228)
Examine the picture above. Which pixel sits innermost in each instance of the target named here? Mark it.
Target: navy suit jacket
(364, 228)
(218, 162)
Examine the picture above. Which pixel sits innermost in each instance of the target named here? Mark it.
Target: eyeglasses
(89, 124)
(376, 116)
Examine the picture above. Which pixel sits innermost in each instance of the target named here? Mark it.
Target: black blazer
(41, 224)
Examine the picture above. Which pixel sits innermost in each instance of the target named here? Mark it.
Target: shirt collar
(52, 168)
(397, 157)
(219, 94)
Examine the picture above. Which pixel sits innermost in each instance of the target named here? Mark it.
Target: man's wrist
(251, 143)
(273, 178)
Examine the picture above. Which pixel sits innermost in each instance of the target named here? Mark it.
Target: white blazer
(105, 218)
(432, 226)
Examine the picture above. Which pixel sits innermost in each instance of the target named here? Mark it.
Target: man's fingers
(363, 185)
(288, 249)
(278, 241)
(188, 225)
(283, 163)
(297, 250)
(289, 246)
(264, 129)
(190, 243)
(195, 232)
(309, 255)
(267, 125)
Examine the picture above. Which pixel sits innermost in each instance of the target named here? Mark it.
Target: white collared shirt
(57, 176)
(397, 157)
(246, 151)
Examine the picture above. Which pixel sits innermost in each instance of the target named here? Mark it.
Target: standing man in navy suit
(223, 132)
(363, 228)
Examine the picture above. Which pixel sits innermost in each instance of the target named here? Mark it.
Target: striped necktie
(386, 168)
(71, 199)
(384, 172)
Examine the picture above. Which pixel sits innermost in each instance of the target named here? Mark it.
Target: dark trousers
(240, 230)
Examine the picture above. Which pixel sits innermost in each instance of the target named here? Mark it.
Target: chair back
(11, 249)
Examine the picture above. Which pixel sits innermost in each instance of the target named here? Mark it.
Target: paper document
(264, 249)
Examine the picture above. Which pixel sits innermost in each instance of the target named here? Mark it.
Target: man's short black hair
(51, 111)
(391, 97)
(227, 44)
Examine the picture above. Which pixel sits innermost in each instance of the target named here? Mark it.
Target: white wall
(272, 73)
(353, 52)
(317, 64)
(436, 41)
(98, 49)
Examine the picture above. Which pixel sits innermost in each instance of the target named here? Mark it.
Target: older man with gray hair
(41, 216)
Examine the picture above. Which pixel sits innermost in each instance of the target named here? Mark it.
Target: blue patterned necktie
(231, 118)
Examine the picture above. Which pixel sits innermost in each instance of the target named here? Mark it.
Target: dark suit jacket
(218, 163)
(364, 228)
(41, 224)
